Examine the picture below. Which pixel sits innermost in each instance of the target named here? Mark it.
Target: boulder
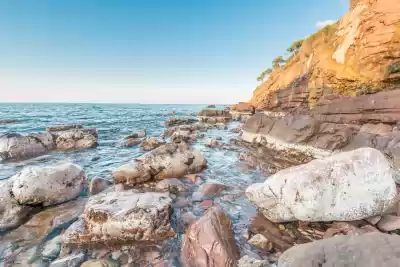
(243, 107)
(48, 185)
(97, 185)
(151, 143)
(214, 116)
(166, 161)
(119, 217)
(236, 130)
(76, 139)
(63, 127)
(12, 214)
(137, 134)
(16, 146)
(344, 187)
(368, 250)
(131, 142)
(261, 242)
(210, 242)
(179, 121)
(172, 185)
(181, 136)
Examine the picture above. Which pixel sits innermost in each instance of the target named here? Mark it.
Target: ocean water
(115, 121)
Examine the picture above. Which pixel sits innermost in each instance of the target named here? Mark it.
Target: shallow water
(113, 122)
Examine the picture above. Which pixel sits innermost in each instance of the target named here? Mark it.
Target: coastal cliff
(358, 55)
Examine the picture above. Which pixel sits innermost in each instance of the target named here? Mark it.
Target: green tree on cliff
(264, 74)
(276, 63)
(295, 47)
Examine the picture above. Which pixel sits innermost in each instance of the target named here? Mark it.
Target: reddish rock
(389, 223)
(210, 242)
(193, 178)
(206, 204)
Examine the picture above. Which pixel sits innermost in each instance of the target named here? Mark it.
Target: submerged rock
(138, 134)
(210, 242)
(131, 142)
(9, 121)
(119, 217)
(368, 250)
(17, 146)
(12, 214)
(166, 161)
(179, 121)
(347, 186)
(48, 185)
(63, 127)
(171, 185)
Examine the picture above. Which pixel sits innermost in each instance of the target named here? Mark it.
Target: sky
(148, 51)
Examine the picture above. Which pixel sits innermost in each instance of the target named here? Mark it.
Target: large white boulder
(50, 185)
(344, 187)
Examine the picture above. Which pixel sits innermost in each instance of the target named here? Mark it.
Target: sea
(115, 121)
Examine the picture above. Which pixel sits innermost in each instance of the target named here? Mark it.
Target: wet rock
(247, 261)
(151, 143)
(172, 185)
(97, 185)
(181, 136)
(179, 121)
(389, 223)
(166, 161)
(52, 249)
(7, 121)
(12, 214)
(211, 106)
(315, 191)
(212, 143)
(205, 204)
(210, 242)
(214, 116)
(261, 242)
(209, 190)
(74, 260)
(236, 130)
(63, 127)
(16, 146)
(131, 142)
(45, 222)
(139, 134)
(172, 113)
(48, 185)
(193, 178)
(119, 217)
(99, 263)
(368, 250)
(75, 140)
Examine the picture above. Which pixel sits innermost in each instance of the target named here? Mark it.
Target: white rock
(48, 185)
(347, 186)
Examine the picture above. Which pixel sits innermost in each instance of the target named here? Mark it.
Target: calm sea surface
(113, 122)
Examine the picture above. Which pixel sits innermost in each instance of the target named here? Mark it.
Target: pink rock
(193, 177)
(389, 223)
(206, 204)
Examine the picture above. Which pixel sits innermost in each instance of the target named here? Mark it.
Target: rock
(172, 113)
(151, 143)
(181, 136)
(9, 121)
(389, 223)
(131, 142)
(12, 214)
(261, 242)
(346, 228)
(246, 261)
(172, 185)
(210, 242)
(179, 121)
(16, 146)
(368, 250)
(374, 219)
(119, 217)
(212, 143)
(214, 116)
(75, 140)
(344, 187)
(236, 130)
(99, 263)
(97, 185)
(193, 178)
(205, 204)
(52, 248)
(48, 185)
(166, 161)
(243, 107)
(45, 222)
(211, 106)
(139, 134)
(74, 260)
(63, 127)
(209, 190)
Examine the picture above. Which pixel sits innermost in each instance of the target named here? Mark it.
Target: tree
(264, 74)
(295, 47)
(276, 63)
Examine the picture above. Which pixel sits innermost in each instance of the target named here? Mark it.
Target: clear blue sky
(147, 51)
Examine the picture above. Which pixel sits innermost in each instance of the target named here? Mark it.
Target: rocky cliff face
(358, 55)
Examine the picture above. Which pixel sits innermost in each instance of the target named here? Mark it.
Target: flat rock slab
(119, 217)
(368, 250)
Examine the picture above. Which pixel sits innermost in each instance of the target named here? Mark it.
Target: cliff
(358, 55)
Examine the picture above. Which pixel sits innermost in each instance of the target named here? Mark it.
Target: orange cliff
(360, 54)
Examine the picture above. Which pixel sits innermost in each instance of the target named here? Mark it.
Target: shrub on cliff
(276, 63)
(295, 47)
(264, 74)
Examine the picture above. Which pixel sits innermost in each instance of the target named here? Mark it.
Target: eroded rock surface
(347, 186)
